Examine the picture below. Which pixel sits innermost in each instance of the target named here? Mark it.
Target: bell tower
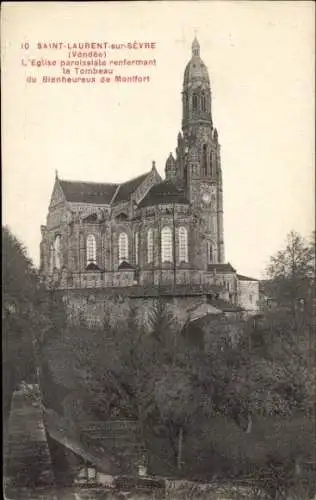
(196, 95)
(201, 165)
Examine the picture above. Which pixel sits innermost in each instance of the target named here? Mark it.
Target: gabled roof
(163, 193)
(127, 188)
(221, 268)
(92, 267)
(88, 192)
(245, 278)
(221, 305)
(125, 265)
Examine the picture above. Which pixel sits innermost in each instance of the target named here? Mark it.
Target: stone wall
(97, 307)
(248, 295)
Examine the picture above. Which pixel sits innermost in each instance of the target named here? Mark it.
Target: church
(149, 235)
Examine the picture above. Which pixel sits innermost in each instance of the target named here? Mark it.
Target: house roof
(88, 192)
(163, 193)
(221, 268)
(245, 278)
(127, 188)
(223, 306)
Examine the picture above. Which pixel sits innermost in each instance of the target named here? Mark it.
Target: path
(27, 461)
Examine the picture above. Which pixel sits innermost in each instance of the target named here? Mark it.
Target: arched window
(150, 246)
(91, 250)
(57, 252)
(123, 247)
(51, 258)
(186, 102)
(204, 160)
(136, 248)
(183, 245)
(121, 217)
(213, 164)
(194, 102)
(210, 253)
(203, 102)
(166, 245)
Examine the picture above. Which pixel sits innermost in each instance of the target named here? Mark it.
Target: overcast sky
(260, 57)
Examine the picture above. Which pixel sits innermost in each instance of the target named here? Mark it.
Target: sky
(260, 57)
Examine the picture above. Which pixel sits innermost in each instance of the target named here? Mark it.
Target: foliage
(19, 282)
(31, 315)
(292, 269)
(153, 375)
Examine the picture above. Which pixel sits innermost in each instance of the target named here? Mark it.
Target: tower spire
(195, 47)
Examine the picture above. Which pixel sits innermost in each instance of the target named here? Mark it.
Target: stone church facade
(150, 234)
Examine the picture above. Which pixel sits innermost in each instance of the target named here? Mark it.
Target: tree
(292, 270)
(145, 374)
(19, 284)
(31, 315)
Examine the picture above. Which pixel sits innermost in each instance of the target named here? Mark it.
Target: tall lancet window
(211, 164)
(210, 251)
(57, 252)
(194, 102)
(166, 245)
(150, 246)
(186, 102)
(203, 102)
(91, 250)
(204, 160)
(123, 247)
(183, 245)
(136, 248)
(51, 258)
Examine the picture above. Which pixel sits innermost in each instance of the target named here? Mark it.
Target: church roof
(127, 188)
(163, 193)
(245, 278)
(88, 192)
(100, 193)
(221, 268)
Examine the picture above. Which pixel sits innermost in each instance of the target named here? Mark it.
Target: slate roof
(163, 193)
(127, 188)
(98, 192)
(88, 192)
(221, 268)
(245, 278)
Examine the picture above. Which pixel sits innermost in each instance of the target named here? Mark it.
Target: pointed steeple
(195, 47)
(170, 168)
